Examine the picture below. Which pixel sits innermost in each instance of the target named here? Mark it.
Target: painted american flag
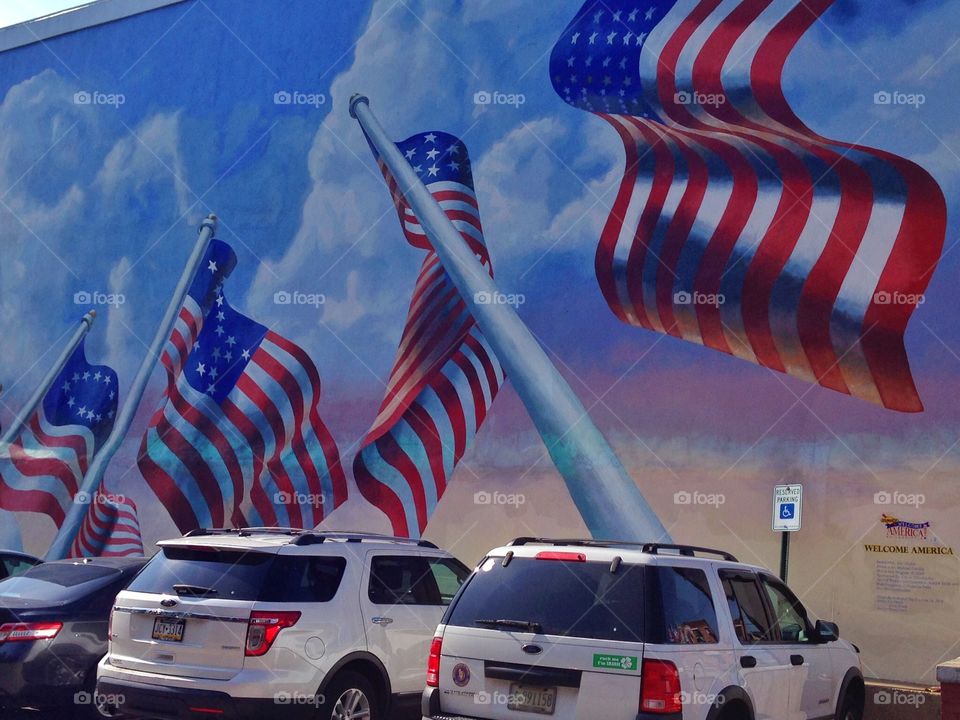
(735, 225)
(40, 471)
(238, 439)
(110, 529)
(445, 375)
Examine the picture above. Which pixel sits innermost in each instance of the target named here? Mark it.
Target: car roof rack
(245, 531)
(310, 537)
(651, 548)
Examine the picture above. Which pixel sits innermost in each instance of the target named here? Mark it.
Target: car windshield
(577, 599)
(57, 581)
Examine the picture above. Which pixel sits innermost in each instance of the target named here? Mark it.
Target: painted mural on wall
(775, 181)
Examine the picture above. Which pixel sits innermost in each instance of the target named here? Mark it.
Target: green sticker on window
(615, 662)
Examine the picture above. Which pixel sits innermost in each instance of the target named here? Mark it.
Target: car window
(15, 566)
(296, 578)
(402, 580)
(227, 574)
(750, 620)
(576, 599)
(683, 607)
(449, 576)
(789, 615)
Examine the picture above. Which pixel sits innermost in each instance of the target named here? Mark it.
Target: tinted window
(14, 566)
(303, 579)
(683, 611)
(57, 581)
(402, 580)
(749, 615)
(229, 574)
(580, 599)
(789, 616)
(449, 576)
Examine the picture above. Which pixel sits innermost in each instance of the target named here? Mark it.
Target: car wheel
(351, 697)
(852, 708)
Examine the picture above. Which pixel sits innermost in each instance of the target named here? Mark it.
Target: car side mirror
(827, 631)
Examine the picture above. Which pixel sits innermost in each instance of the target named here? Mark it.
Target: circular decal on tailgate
(461, 675)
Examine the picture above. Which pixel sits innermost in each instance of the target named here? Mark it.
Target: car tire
(851, 708)
(351, 695)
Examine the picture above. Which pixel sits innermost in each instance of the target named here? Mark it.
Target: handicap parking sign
(787, 503)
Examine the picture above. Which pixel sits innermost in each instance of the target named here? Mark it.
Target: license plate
(532, 699)
(169, 630)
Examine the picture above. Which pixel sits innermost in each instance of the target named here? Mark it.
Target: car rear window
(241, 575)
(576, 599)
(57, 581)
(680, 607)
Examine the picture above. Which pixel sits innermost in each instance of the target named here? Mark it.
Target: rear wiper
(195, 590)
(528, 625)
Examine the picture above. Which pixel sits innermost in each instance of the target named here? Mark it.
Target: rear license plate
(167, 629)
(532, 699)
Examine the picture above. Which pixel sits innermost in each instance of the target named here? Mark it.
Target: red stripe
(396, 457)
(424, 426)
(381, 496)
(43, 467)
(450, 399)
(166, 490)
(251, 434)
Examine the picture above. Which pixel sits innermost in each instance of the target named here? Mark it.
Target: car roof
(638, 553)
(275, 539)
(19, 556)
(119, 563)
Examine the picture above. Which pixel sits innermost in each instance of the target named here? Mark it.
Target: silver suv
(591, 630)
(276, 622)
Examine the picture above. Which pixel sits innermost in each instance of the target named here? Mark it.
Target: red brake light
(433, 663)
(25, 632)
(263, 629)
(567, 556)
(660, 683)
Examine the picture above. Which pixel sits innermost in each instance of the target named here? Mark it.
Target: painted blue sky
(106, 198)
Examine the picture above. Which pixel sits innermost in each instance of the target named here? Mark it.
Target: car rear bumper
(136, 700)
(430, 709)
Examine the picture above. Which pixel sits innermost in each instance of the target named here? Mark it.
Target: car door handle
(381, 620)
(748, 661)
(796, 659)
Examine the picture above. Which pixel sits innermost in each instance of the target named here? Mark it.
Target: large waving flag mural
(735, 225)
(238, 438)
(445, 376)
(41, 470)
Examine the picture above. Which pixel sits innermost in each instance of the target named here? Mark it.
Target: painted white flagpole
(91, 481)
(86, 322)
(609, 501)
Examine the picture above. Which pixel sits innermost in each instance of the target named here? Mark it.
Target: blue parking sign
(787, 505)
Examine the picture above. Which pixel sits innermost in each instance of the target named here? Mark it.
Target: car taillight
(25, 632)
(263, 629)
(564, 556)
(433, 663)
(660, 687)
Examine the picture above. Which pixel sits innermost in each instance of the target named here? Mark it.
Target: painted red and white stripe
(445, 375)
(738, 227)
(110, 529)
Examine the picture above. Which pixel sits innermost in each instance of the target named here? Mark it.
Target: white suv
(276, 622)
(598, 630)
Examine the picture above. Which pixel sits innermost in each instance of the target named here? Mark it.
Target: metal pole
(784, 554)
(608, 499)
(91, 481)
(12, 432)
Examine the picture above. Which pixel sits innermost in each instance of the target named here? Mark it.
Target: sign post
(787, 507)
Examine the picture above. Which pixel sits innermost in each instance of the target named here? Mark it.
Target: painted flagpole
(91, 481)
(23, 417)
(609, 501)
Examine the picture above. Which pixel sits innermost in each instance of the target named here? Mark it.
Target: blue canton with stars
(217, 264)
(438, 157)
(83, 394)
(220, 355)
(595, 65)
